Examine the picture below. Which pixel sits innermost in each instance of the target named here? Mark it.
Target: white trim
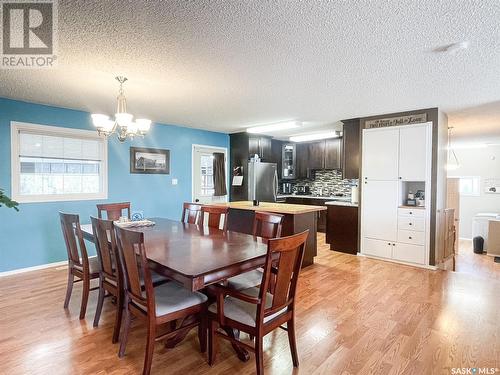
(16, 127)
(426, 266)
(34, 268)
(193, 146)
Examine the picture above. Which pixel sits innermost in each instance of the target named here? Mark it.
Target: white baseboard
(36, 268)
(426, 266)
(465, 239)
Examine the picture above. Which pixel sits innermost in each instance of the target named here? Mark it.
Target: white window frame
(16, 127)
(473, 194)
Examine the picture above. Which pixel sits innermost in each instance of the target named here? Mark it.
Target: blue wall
(33, 236)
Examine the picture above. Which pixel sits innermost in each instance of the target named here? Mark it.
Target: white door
(414, 151)
(380, 210)
(203, 174)
(380, 154)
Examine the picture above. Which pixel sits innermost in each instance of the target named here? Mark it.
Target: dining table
(197, 256)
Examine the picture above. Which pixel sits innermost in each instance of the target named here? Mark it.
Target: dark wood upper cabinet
(276, 151)
(301, 150)
(351, 149)
(261, 146)
(333, 153)
(316, 155)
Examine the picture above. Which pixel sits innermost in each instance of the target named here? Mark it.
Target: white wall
(477, 162)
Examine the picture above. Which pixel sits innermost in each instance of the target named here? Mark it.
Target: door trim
(215, 148)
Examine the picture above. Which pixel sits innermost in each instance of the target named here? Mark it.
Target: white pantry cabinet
(380, 210)
(380, 154)
(396, 160)
(414, 150)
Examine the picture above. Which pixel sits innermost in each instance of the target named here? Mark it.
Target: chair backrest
(73, 237)
(113, 210)
(191, 212)
(284, 260)
(136, 271)
(267, 225)
(105, 244)
(214, 214)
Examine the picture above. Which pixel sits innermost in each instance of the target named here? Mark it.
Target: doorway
(203, 188)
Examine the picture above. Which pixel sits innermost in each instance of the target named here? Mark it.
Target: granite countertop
(280, 208)
(341, 203)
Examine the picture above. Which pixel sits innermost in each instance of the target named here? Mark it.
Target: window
(57, 164)
(469, 185)
(207, 175)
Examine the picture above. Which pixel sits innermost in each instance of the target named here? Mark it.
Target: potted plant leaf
(7, 202)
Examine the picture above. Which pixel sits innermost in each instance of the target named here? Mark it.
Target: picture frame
(149, 160)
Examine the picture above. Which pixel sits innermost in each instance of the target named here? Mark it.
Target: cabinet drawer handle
(393, 244)
(411, 213)
(389, 244)
(410, 224)
(409, 238)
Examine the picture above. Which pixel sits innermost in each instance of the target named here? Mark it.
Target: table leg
(240, 352)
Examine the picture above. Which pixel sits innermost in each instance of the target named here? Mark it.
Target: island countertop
(279, 208)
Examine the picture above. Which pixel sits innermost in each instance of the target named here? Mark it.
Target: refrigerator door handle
(275, 185)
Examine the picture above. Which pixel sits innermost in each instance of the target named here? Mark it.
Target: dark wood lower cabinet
(312, 202)
(342, 228)
(242, 221)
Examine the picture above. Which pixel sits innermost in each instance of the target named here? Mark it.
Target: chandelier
(122, 125)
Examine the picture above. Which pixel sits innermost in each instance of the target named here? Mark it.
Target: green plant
(7, 202)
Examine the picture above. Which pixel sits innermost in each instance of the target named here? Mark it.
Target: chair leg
(212, 341)
(259, 354)
(290, 325)
(125, 331)
(69, 288)
(202, 332)
(100, 301)
(85, 296)
(118, 317)
(150, 347)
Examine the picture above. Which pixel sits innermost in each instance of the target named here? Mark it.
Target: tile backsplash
(325, 182)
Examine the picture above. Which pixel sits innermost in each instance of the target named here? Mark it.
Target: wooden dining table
(196, 256)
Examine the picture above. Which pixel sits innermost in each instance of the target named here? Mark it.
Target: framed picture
(149, 160)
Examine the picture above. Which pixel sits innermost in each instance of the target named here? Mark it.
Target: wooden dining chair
(266, 225)
(79, 264)
(113, 210)
(158, 306)
(255, 310)
(110, 274)
(191, 212)
(214, 214)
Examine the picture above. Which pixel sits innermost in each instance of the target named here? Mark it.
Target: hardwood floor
(355, 316)
(479, 265)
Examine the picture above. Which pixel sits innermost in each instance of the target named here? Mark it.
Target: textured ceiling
(226, 65)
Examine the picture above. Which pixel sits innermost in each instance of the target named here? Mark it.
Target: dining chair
(110, 274)
(191, 212)
(214, 214)
(158, 306)
(79, 264)
(256, 311)
(266, 225)
(113, 210)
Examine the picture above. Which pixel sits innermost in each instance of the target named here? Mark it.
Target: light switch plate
(174, 181)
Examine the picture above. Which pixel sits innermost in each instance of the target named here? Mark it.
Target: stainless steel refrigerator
(262, 181)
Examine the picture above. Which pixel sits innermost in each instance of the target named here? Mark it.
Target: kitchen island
(297, 218)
